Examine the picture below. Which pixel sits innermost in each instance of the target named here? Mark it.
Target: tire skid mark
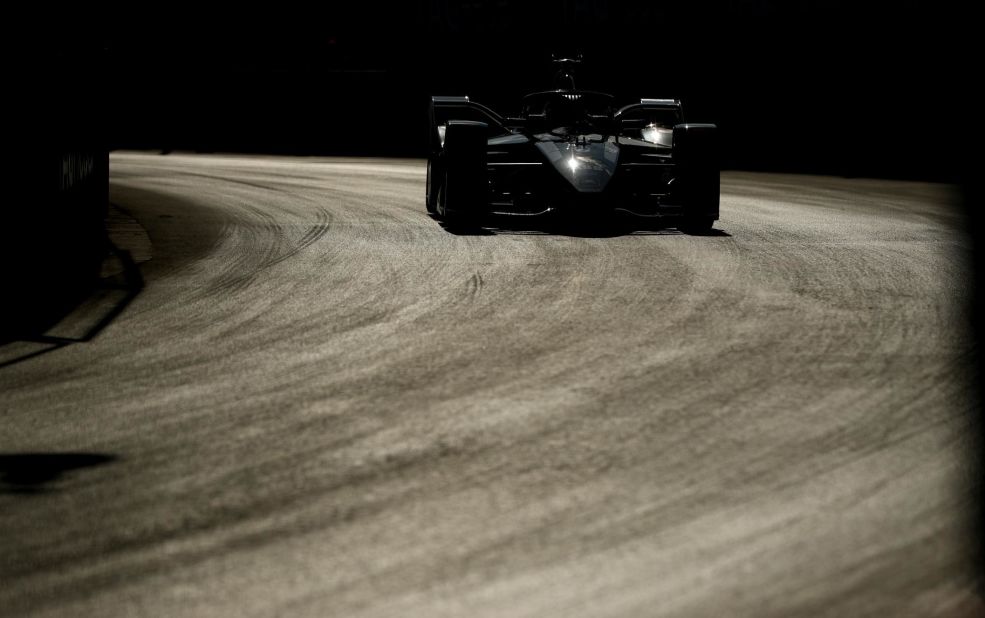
(266, 244)
(545, 418)
(313, 235)
(474, 284)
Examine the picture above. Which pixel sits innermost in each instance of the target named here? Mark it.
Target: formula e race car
(571, 151)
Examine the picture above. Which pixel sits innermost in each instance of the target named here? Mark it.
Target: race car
(571, 151)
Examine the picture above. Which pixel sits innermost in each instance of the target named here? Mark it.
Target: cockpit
(565, 112)
(562, 113)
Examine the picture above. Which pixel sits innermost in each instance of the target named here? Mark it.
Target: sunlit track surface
(324, 404)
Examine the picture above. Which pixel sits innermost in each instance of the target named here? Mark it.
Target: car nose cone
(587, 165)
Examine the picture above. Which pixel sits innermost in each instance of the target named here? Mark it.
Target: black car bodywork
(571, 151)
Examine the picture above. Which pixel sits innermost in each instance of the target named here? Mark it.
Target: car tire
(697, 176)
(433, 184)
(462, 197)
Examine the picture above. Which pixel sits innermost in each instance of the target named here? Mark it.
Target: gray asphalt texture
(324, 404)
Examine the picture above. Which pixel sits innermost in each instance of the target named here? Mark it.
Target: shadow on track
(85, 315)
(577, 227)
(36, 473)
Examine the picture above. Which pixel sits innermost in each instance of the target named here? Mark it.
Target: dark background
(872, 89)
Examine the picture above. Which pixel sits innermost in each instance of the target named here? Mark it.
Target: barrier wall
(55, 190)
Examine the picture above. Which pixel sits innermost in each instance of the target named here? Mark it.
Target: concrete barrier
(54, 191)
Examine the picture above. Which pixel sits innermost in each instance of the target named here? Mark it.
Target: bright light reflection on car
(658, 134)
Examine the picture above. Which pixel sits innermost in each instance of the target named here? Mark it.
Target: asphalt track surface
(322, 403)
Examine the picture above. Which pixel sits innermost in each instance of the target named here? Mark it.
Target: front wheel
(433, 184)
(697, 183)
(462, 189)
(455, 219)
